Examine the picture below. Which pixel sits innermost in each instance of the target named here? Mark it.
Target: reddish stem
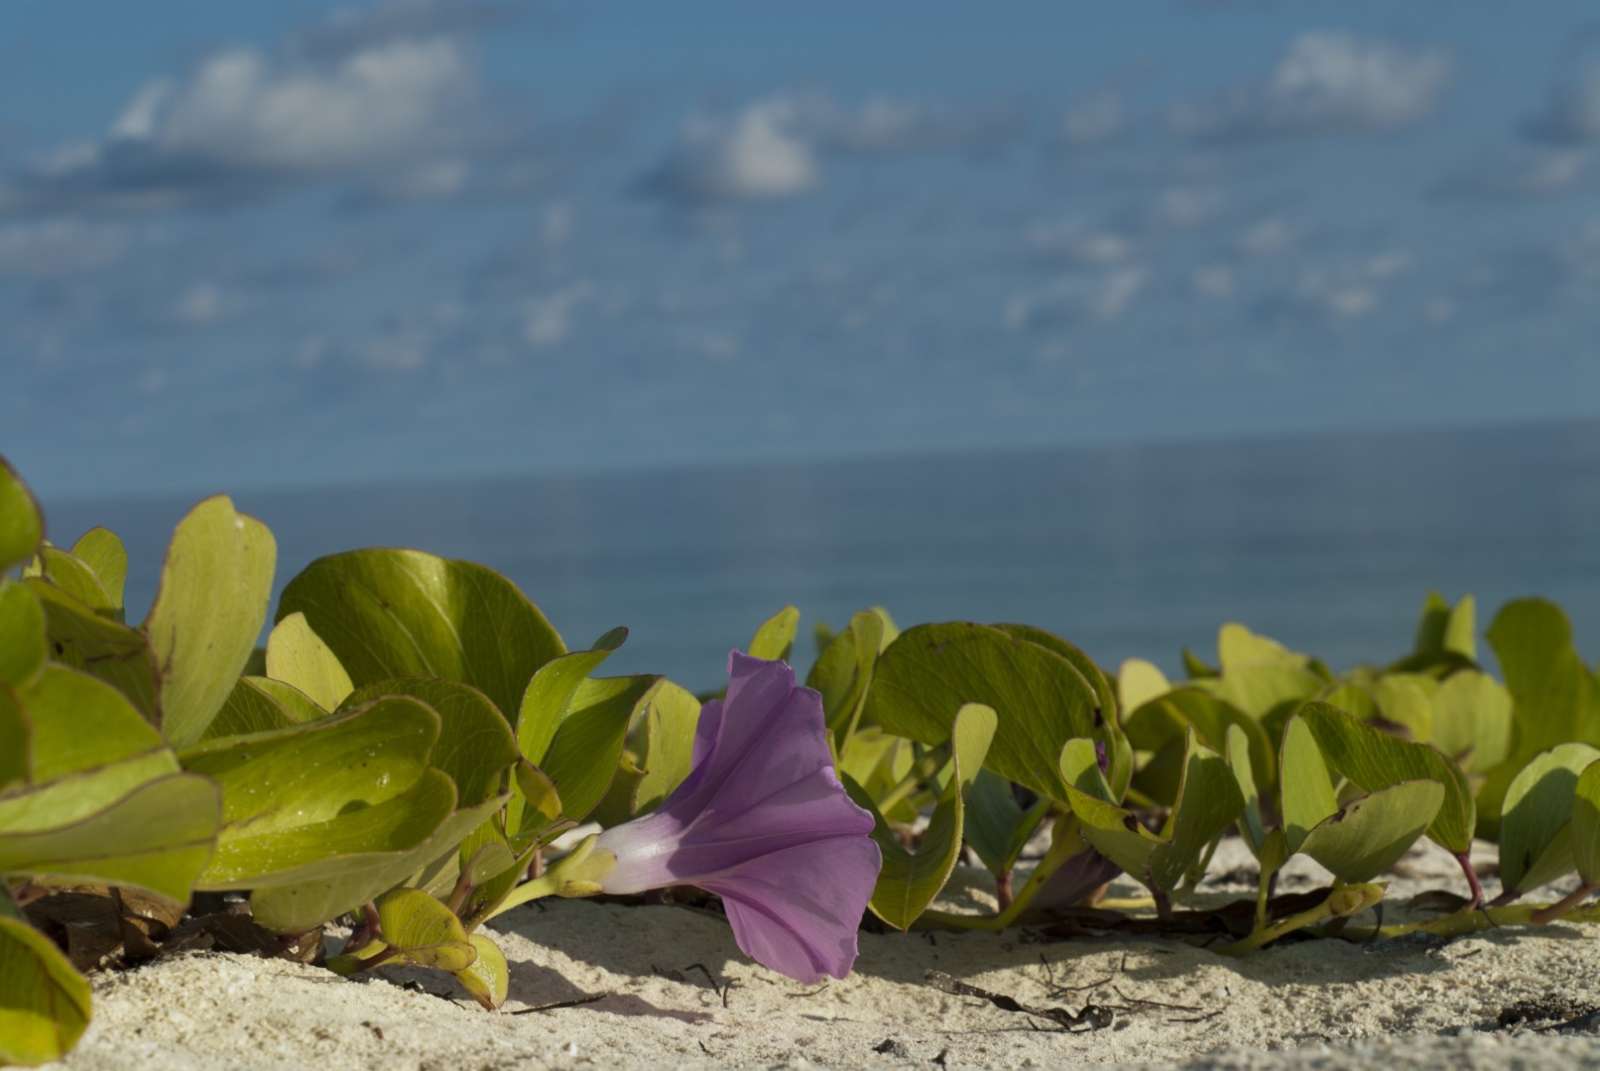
(1002, 890)
(1472, 879)
(1563, 905)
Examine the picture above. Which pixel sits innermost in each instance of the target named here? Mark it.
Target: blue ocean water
(1328, 543)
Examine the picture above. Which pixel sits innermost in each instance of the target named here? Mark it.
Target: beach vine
(416, 750)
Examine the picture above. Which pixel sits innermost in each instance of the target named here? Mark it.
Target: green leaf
(260, 704)
(537, 793)
(1535, 842)
(158, 838)
(1445, 630)
(583, 757)
(1196, 668)
(1555, 698)
(1404, 699)
(1252, 824)
(402, 613)
(1372, 760)
(487, 978)
(423, 932)
(21, 523)
(1306, 785)
(475, 745)
(1368, 835)
(87, 747)
(1258, 673)
(343, 883)
(1472, 719)
(1239, 648)
(775, 637)
(1208, 801)
(1138, 682)
(16, 741)
(215, 586)
(80, 638)
(44, 1003)
(1353, 695)
(1041, 700)
(548, 696)
(103, 552)
(296, 655)
(909, 882)
(996, 827)
(76, 578)
(878, 761)
(80, 723)
(844, 671)
(1586, 825)
(1161, 722)
(297, 799)
(22, 637)
(667, 753)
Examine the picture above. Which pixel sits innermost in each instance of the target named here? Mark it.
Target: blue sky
(247, 245)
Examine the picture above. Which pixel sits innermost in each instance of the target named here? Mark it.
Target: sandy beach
(653, 986)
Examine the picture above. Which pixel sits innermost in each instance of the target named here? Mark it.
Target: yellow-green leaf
(402, 613)
(157, 838)
(776, 635)
(487, 978)
(296, 655)
(1368, 835)
(21, 523)
(909, 881)
(1535, 841)
(103, 552)
(424, 932)
(44, 1003)
(216, 582)
(1586, 824)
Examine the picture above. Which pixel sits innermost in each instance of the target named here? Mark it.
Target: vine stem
(1472, 879)
(1564, 905)
(1062, 851)
(921, 770)
(1342, 902)
(1471, 920)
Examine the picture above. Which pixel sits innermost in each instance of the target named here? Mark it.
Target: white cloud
(1349, 291)
(774, 147)
(1094, 119)
(1189, 206)
(423, 181)
(1266, 237)
(757, 155)
(60, 246)
(242, 111)
(1517, 175)
(399, 349)
(1074, 242)
(1326, 82)
(201, 304)
(391, 107)
(1071, 298)
(547, 319)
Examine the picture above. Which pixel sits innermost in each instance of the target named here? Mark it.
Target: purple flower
(763, 822)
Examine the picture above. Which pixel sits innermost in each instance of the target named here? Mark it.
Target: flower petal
(765, 734)
(812, 808)
(797, 911)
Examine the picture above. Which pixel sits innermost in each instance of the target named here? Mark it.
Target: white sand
(1324, 1004)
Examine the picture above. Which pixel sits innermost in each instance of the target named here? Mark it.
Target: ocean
(1327, 542)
